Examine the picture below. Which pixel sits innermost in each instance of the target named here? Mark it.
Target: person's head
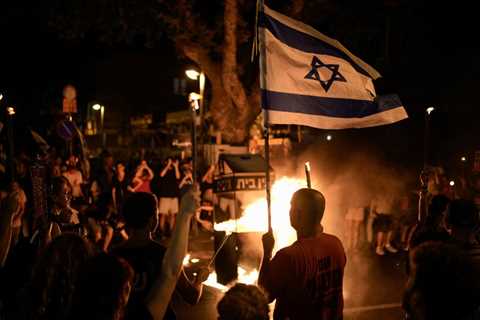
(441, 284)
(143, 163)
(462, 216)
(103, 288)
(306, 211)
(436, 210)
(243, 302)
(61, 192)
(107, 159)
(120, 167)
(140, 211)
(55, 275)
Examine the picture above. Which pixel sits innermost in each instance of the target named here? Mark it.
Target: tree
(216, 36)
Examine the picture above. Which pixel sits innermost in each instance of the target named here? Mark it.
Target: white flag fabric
(310, 79)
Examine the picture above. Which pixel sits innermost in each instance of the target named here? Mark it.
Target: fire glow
(255, 219)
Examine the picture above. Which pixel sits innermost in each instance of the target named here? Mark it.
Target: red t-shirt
(306, 278)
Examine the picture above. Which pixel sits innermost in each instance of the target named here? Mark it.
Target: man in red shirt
(306, 278)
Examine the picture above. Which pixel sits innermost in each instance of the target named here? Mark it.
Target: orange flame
(254, 218)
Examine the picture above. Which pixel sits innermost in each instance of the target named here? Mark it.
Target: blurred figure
(441, 285)
(62, 217)
(408, 219)
(103, 289)
(12, 210)
(120, 188)
(168, 195)
(104, 286)
(145, 255)
(243, 302)
(143, 176)
(433, 228)
(382, 209)
(306, 278)
(462, 221)
(74, 176)
(101, 223)
(208, 183)
(54, 277)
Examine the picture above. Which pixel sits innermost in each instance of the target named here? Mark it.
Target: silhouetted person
(463, 221)
(54, 277)
(306, 278)
(442, 284)
(433, 228)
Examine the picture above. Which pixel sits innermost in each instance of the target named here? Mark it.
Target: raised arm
(161, 292)
(165, 169)
(150, 173)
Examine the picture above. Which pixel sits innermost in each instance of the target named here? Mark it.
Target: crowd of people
(98, 250)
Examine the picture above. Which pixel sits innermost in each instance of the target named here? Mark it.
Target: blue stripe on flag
(302, 41)
(331, 107)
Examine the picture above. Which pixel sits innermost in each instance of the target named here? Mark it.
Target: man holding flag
(309, 79)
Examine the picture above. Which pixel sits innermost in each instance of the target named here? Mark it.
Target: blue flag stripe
(303, 41)
(331, 107)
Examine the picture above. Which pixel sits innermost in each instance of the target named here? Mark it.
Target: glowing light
(186, 260)
(192, 74)
(195, 260)
(11, 111)
(1, 96)
(255, 218)
(307, 166)
(244, 276)
(96, 107)
(430, 110)
(193, 96)
(329, 137)
(452, 183)
(464, 159)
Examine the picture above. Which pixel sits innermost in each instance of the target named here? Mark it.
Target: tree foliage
(217, 36)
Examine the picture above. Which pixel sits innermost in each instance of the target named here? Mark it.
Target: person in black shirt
(146, 255)
(104, 288)
(120, 188)
(168, 195)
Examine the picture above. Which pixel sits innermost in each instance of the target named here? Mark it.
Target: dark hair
(57, 183)
(463, 213)
(243, 302)
(139, 209)
(312, 203)
(100, 288)
(436, 208)
(55, 275)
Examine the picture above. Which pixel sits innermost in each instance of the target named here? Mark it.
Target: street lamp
(194, 99)
(464, 159)
(200, 76)
(426, 146)
(98, 107)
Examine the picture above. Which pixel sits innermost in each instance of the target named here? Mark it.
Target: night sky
(432, 60)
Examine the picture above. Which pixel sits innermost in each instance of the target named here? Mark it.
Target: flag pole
(259, 48)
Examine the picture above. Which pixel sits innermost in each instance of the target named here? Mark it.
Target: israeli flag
(310, 79)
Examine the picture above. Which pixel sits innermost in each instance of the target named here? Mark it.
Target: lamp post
(11, 149)
(194, 99)
(200, 76)
(101, 108)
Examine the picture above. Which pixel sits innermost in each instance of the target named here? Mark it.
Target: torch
(307, 174)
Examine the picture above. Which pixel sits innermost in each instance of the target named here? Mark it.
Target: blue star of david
(314, 75)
